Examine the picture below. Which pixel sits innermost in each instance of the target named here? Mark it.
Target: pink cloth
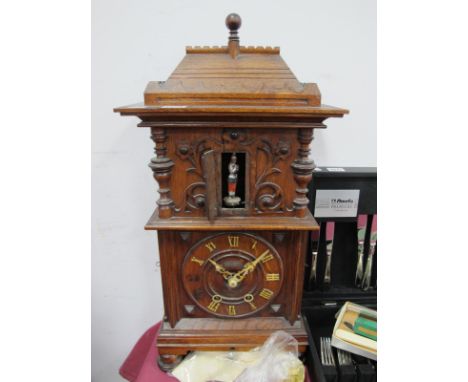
(141, 365)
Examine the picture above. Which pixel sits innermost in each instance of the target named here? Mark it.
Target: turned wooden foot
(167, 362)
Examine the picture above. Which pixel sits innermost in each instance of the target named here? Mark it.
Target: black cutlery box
(354, 189)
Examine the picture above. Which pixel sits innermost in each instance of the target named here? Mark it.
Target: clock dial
(232, 274)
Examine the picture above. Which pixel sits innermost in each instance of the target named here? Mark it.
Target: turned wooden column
(162, 171)
(303, 166)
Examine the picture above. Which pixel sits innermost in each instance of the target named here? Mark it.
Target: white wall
(330, 42)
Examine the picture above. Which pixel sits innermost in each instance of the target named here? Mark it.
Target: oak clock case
(232, 128)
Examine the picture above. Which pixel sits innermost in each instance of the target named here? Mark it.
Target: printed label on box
(336, 203)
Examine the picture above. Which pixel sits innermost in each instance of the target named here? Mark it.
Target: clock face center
(231, 281)
(233, 264)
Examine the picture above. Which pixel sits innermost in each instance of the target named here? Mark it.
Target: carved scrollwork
(195, 193)
(269, 196)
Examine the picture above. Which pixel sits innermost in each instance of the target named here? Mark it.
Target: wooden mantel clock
(232, 128)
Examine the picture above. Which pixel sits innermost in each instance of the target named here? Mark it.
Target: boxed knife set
(355, 330)
(341, 267)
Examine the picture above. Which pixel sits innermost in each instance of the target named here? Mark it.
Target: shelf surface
(237, 223)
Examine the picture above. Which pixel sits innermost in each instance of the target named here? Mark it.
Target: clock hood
(232, 79)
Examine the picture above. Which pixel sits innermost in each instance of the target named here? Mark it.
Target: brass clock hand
(259, 258)
(220, 269)
(248, 267)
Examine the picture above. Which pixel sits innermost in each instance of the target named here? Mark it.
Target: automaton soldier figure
(232, 200)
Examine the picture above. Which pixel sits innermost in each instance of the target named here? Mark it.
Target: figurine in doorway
(232, 200)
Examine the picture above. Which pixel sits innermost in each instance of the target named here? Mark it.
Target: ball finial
(233, 22)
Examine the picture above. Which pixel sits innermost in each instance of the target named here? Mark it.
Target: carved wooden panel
(286, 263)
(269, 182)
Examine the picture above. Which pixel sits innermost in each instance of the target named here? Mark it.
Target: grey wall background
(330, 42)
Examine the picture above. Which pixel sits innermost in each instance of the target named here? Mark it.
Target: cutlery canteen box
(340, 198)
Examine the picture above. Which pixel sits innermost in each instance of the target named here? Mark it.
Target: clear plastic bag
(275, 361)
(278, 361)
